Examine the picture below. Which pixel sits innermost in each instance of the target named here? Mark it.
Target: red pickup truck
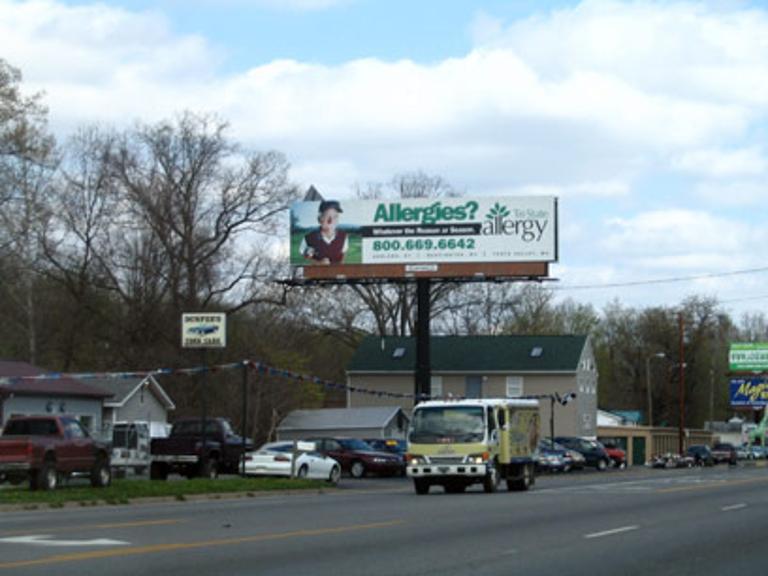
(44, 449)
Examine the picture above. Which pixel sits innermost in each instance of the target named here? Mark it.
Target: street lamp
(563, 400)
(648, 384)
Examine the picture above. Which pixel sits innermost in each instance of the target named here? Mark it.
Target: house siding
(569, 419)
(148, 409)
(78, 407)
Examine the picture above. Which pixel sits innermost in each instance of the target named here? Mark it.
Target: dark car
(552, 457)
(701, 454)
(593, 452)
(359, 458)
(392, 445)
(724, 452)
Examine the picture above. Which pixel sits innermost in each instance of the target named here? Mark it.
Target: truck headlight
(478, 458)
(415, 460)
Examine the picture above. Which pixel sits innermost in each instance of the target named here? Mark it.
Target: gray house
(369, 422)
(485, 367)
(22, 395)
(134, 399)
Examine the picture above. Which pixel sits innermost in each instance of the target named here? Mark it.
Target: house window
(514, 386)
(473, 386)
(436, 386)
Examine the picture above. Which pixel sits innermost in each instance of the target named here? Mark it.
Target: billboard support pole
(422, 387)
(204, 416)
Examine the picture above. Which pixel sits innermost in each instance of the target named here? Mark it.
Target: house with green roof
(484, 367)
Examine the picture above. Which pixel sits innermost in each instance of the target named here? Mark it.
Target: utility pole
(711, 395)
(681, 420)
(648, 384)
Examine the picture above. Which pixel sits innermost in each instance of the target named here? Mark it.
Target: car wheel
(335, 475)
(491, 480)
(46, 478)
(421, 486)
(101, 475)
(601, 465)
(523, 482)
(158, 471)
(303, 471)
(209, 469)
(357, 469)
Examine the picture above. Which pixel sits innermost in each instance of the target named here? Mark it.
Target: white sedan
(274, 459)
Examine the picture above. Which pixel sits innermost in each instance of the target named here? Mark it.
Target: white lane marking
(733, 507)
(510, 552)
(43, 540)
(611, 532)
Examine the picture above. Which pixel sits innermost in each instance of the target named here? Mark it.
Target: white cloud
(685, 239)
(604, 189)
(591, 102)
(688, 49)
(734, 192)
(720, 163)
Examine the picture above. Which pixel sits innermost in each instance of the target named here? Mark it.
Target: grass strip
(124, 490)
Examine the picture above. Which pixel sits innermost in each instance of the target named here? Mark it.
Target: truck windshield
(442, 425)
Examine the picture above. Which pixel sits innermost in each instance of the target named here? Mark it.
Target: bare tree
(26, 162)
(209, 206)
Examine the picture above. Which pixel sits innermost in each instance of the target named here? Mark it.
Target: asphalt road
(661, 522)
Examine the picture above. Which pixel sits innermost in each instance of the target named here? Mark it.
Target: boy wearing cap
(326, 245)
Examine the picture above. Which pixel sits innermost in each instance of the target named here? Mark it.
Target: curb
(48, 507)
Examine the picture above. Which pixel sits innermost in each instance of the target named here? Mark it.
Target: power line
(660, 280)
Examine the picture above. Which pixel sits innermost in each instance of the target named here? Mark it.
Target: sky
(648, 120)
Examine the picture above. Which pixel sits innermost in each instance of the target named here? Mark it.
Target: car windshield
(284, 447)
(441, 424)
(354, 444)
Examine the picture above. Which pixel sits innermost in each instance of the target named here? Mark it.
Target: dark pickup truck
(182, 452)
(44, 449)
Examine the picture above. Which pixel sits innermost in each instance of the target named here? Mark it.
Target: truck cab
(455, 444)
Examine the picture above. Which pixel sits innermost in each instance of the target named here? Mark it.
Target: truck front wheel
(491, 480)
(209, 469)
(158, 471)
(421, 486)
(46, 478)
(101, 475)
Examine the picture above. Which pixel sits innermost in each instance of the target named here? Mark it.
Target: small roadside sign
(204, 330)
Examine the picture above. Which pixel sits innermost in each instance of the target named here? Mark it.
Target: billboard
(748, 392)
(748, 357)
(424, 233)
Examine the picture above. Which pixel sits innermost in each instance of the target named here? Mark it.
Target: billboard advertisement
(749, 392)
(424, 231)
(748, 357)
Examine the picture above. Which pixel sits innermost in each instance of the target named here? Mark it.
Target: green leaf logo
(498, 211)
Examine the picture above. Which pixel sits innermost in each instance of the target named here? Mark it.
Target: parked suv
(724, 452)
(358, 458)
(701, 454)
(593, 452)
